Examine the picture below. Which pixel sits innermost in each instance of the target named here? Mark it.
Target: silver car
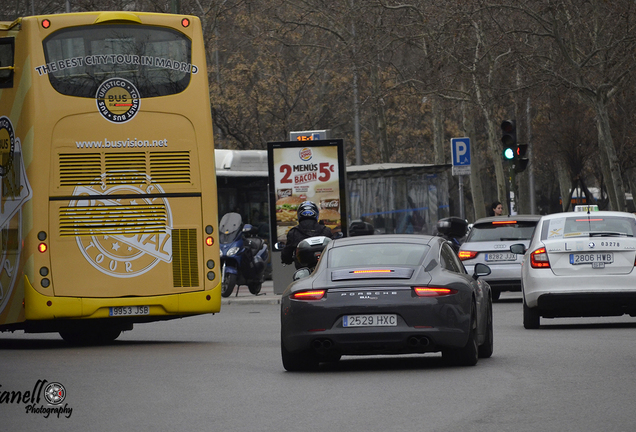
(489, 243)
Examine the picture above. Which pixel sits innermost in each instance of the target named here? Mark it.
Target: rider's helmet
(308, 210)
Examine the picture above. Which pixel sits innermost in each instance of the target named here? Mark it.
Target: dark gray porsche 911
(387, 294)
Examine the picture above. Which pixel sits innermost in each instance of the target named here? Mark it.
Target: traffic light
(509, 138)
(520, 162)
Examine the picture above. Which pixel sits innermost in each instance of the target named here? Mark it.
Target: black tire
(531, 317)
(255, 288)
(486, 349)
(94, 336)
(228, 284)
(469, 354)
(302, 361)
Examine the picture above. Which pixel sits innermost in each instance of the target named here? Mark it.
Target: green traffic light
(508, 154)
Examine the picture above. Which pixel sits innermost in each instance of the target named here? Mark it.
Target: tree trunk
(438, 131)
(565, 182)
(613, 174)
(476, 189)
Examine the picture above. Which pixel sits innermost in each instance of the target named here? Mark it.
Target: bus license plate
(384, 320)
(592, 258)
(490, 257)
(129, 310)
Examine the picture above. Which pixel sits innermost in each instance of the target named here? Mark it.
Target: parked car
(388, 294)
(579, 265)
(489, 241)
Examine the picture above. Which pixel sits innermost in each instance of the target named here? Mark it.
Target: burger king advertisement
(306, 171)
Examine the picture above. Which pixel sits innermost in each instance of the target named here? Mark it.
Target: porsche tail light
(539, 259)
(433, 291)
(309, 295)
(466, 254)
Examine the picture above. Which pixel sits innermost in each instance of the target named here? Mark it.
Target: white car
(579, 264)
(489, 243)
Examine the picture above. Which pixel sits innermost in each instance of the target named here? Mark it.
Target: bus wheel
(255, 287)
(228, 284)
(99, 336)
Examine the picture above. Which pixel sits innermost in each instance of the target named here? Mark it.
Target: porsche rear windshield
(517, 230)
(379, 254)
(155, 60)
(588, 226)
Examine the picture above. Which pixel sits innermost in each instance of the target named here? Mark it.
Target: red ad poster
(308, 171)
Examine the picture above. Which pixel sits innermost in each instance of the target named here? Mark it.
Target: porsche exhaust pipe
(417, 341)
(322, 344)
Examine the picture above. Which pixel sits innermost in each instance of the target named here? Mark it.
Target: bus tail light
(466, 254)
(539, 259)
(46, 23)
(185, 22)
(433, 291)
(42, 247)
(209, 241)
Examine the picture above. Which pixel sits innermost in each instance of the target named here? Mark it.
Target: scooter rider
(308, 226)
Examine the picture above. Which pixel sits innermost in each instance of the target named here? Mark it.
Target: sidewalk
(266, 296)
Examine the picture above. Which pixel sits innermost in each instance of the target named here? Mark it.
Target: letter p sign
(461, 151)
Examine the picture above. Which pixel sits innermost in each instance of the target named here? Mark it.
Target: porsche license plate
(383, 320)
(129, 310)
(592, 258)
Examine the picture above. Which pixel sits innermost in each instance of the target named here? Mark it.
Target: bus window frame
(7, 82)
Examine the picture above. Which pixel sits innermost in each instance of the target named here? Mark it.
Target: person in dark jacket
(308, 226)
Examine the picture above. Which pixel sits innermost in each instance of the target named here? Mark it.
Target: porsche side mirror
(481, 270)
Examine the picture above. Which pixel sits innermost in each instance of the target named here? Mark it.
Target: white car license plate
(592, 258)
(129, 310)
(383, 320)
(490, 257)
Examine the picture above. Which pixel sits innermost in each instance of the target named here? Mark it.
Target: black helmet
(308, 210)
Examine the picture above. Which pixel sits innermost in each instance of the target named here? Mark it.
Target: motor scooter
(453, 229)
(243, 255)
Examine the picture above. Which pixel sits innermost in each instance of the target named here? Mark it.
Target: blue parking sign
(460, 151)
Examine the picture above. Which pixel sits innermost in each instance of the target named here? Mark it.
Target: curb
(251, 300)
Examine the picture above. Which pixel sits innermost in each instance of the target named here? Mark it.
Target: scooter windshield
(230, 227)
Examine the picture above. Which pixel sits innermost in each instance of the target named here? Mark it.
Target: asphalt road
(224, 373)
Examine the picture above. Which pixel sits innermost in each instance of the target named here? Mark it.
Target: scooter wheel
(254, 288)
(228, 285)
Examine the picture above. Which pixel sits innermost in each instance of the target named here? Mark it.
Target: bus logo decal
(124, 255)
(15, 191)
(118, 100)
(7, 145)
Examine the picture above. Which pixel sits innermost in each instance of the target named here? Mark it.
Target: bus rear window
(155, 60)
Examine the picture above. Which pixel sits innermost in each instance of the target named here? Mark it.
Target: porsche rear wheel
(300, 361)
(469, 354)
(486, 349)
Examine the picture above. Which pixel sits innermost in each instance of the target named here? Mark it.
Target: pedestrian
(308, 226)
(496, 209)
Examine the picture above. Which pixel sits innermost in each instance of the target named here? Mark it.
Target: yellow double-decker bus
(108, 209)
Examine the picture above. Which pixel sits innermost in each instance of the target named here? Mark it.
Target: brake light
(508, 222)
(309, 295)
(371, 271)
(539, 259)
(433, 291)
(466, 254)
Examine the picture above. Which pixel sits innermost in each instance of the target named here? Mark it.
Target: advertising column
(304, 171)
